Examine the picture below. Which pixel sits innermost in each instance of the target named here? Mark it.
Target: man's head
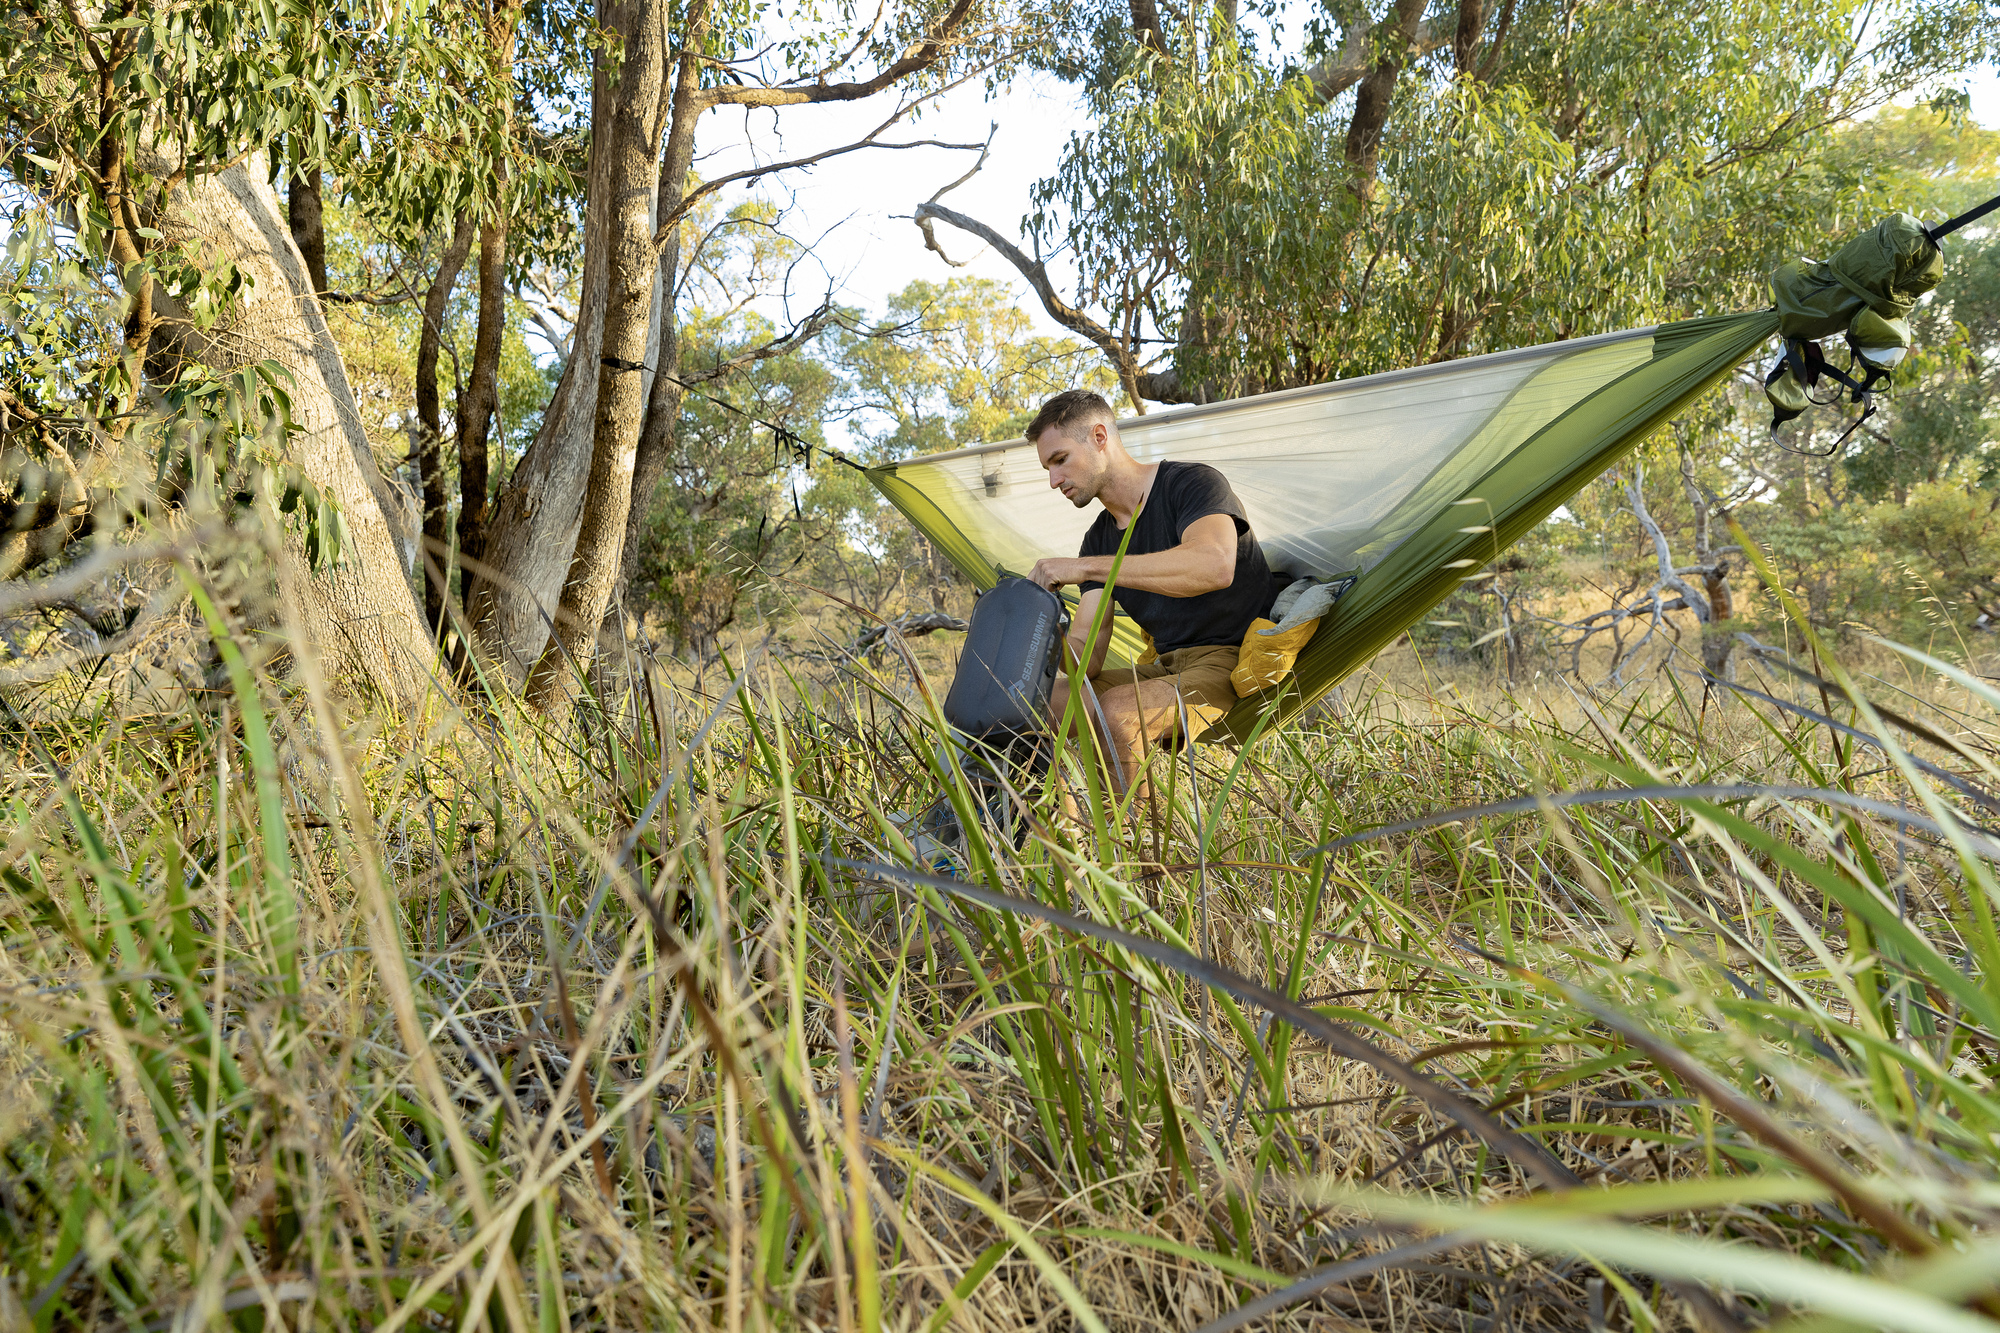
(1076, 438)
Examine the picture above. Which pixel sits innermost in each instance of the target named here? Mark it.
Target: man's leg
(1140, 717)
(1110, 686)
(1059, 701)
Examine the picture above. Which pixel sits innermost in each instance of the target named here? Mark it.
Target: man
(1193, 575)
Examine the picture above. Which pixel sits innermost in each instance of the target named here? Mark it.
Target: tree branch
(800, 334)
(924, 224)
(1146, 25)
(674, 215)
(1062, 312)
(1492, 61)
(1340, 70)
(921, 57)
(1394, 44)
(1668, 578)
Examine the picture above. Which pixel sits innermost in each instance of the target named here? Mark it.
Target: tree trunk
(658, 434)
(430, 425)
(663, 397)
(511, 598)
(475, 416)
(482, 390)
(305, 209)
(1394, 37)
(1465, 42)
(1146, 25)
(361, 614)
(1718, 634)
(620, 404)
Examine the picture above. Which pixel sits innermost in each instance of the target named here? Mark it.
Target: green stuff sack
(1878, 341)
(1883, 270)
(1788, 397)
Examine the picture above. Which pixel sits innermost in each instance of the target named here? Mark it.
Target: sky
(855, 210)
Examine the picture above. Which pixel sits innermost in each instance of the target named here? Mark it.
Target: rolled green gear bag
(1884, 270)
(1866, 291)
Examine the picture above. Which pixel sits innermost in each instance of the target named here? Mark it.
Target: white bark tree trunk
(362, 614)
(512, 601)
(620, 399)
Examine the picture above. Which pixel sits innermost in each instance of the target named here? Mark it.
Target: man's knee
(1141, 716)
(1120, 705)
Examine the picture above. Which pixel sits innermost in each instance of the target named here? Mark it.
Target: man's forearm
(1091, 655)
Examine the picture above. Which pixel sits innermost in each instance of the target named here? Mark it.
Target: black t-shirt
(1182, 493)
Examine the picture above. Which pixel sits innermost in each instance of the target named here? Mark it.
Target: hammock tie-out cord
(782, 438)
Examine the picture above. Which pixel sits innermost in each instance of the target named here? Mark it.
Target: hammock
(1415, 478)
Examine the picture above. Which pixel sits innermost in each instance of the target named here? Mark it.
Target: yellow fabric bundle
(1266, 659)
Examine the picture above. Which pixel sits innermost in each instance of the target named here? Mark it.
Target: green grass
(319, 1020)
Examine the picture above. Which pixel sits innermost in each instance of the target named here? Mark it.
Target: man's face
(1076, 459)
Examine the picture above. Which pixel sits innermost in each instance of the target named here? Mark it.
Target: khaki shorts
(1202, 674)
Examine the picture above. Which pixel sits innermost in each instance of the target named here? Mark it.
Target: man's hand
(1056, 571)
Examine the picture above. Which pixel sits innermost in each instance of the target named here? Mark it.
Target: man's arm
(1079, 634)
(1205, 561)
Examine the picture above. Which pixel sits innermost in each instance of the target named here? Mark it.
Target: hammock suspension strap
(782, 438)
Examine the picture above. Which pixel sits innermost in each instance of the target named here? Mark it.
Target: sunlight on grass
(662, 1021)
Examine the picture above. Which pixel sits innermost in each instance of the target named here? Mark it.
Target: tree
(1949, 540)
(946, 364)
(143, 132)
(440, 161)
(1494, 180)
(955, 363)
(567, 516)
(1656, 553)
(725, 513)
(454, 153)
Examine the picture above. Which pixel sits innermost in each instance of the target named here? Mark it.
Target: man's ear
(1100, 436)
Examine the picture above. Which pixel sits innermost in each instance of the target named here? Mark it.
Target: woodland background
(420, 214)
(465, 868)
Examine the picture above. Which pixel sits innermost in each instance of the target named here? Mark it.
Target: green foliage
(59, 341)
(76, 425)
(1948, 540)
(946, 364)
(951, 364)
(726, 511)
(443, 134)
(1824, 514)
(378, 345)
(1604, 169)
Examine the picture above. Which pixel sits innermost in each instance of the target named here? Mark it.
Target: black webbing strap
(1806, 361)
(1809, 363)
(1965, 219)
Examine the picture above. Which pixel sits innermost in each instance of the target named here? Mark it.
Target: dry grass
(318, 1019)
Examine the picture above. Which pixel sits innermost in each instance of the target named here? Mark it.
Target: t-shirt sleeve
(1199, 491)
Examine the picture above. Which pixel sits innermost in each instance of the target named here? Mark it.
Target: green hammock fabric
(1418, 478)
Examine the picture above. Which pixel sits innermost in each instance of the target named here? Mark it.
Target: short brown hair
(1066, 409)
